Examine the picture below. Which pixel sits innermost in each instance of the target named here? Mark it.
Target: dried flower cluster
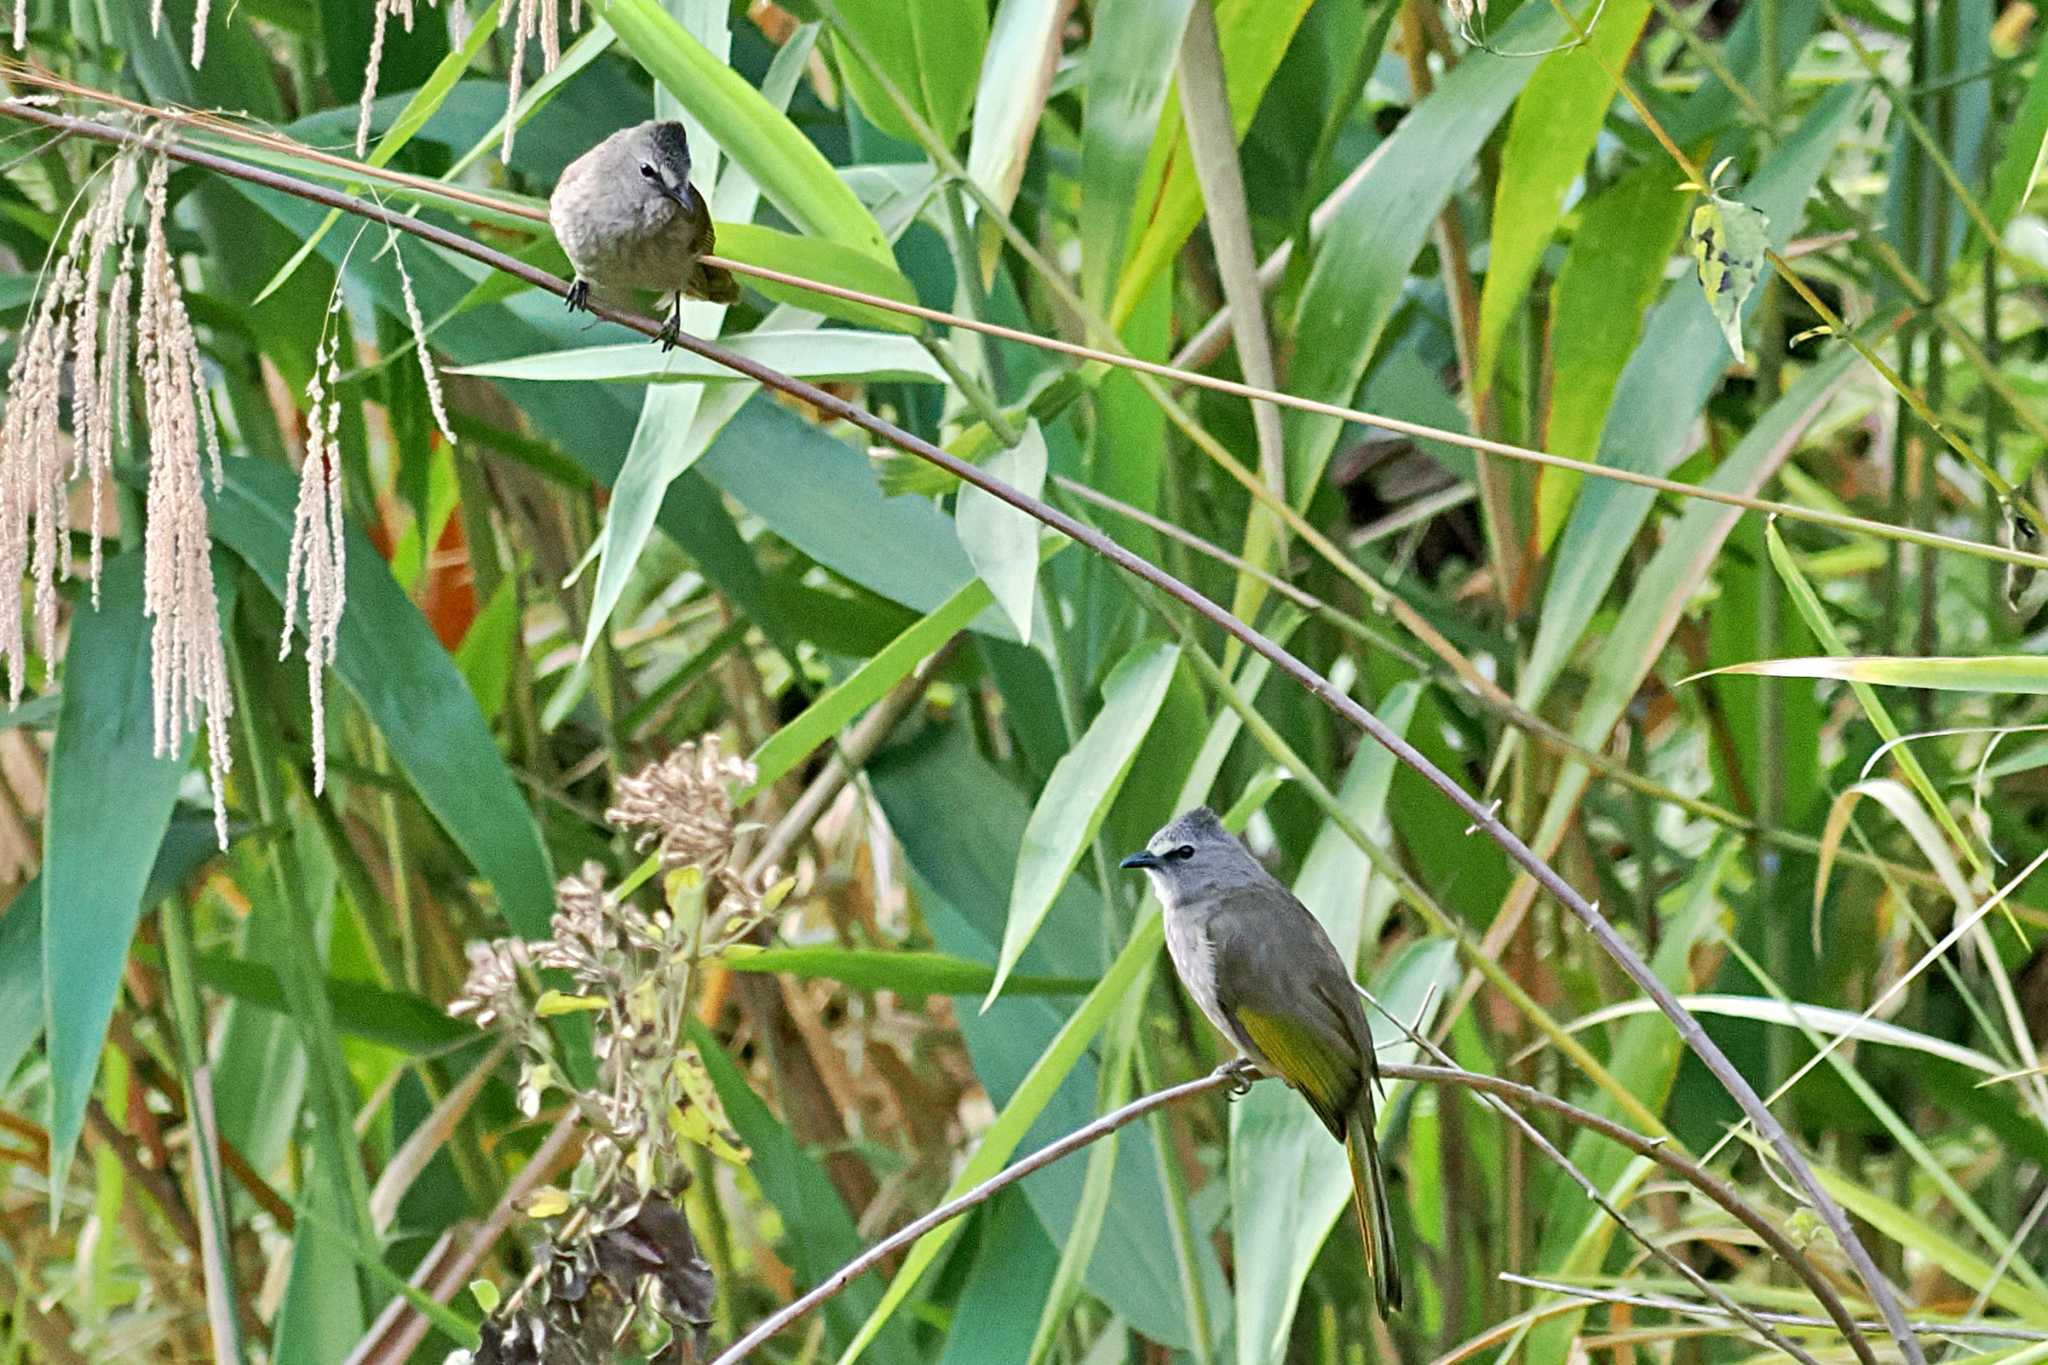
(633, 971)
(529, 19)
(188, 661)
(318, 555)
(683, 805)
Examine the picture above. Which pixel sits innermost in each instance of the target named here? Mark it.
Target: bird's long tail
(1375, 1215)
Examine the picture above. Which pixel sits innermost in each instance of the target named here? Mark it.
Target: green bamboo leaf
(929, 49)
(1555, 123)
(1079, 793)
(1016, 72)
(410, 689)
(2024, 674)
(1130, 66)
(1728, 240)
(2026, 149)
(831, 713)
(488, 648)
(901, 970)
(1001, 540)
(1656, 406)
(1254, 36)
(819, 1235)
(1611, 274)
(826, 261)
(828, 356)
(1364, 254)
(792, 173)
(406, 1023)
(822, 496)
(1659, 594)
(21, 976)
(109, 805)
(1127, 974)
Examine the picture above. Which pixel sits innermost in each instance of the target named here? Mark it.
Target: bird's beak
(1141, 858)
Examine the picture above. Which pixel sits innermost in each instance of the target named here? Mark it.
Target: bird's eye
(1184, 852)
(647, 169)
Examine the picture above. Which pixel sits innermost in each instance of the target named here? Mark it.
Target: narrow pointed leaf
(1001, 540)
(1078, 794)
(110, 802)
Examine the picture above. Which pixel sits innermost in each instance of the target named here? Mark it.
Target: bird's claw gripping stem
(578, 297)
(671, 331)
(1241, 1071)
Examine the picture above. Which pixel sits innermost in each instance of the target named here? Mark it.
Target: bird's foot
(1241, 1072)
(671, 331)
(578, 297)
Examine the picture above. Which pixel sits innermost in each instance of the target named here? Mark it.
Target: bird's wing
(1278, 973)
(1325, 1076)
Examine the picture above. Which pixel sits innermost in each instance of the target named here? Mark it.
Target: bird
(629, 219)
(1267, 976)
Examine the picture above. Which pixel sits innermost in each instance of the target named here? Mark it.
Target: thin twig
(1932, 1329)
(1482, 816)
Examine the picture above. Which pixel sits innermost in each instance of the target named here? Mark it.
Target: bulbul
(1270, 980)
(629, 219)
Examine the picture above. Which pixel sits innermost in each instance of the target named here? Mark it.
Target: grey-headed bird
(629, 219)
(1270, 980)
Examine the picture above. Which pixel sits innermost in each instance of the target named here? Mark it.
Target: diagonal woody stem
(1484, 817)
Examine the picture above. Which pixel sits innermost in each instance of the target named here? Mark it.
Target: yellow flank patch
(1324, 1078)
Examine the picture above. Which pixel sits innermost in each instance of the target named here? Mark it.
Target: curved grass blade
(1079, 793)
(2010, 673)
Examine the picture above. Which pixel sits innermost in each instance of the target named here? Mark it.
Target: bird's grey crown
(1193, 826)
(672, 142)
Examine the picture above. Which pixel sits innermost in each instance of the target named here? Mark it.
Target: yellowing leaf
(703, 1120)
(547, 1202)
(1728, 239)
(552, 1003)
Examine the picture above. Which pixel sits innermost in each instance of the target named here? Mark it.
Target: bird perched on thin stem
(1270, 980)
(629, 219)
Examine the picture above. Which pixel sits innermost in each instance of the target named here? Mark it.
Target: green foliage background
(1487, 238)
